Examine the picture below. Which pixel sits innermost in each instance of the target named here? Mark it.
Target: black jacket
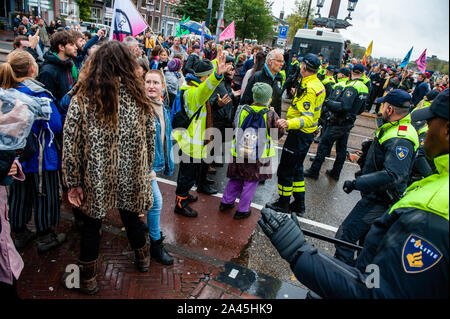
(222, 116)
(56, 75)
(6, 160)
(264, 76)
(191, 62)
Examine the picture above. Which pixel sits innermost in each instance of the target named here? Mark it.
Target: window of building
(157, 5)
(64, 7)
(96, 13)
(150, 20)
(156, 24)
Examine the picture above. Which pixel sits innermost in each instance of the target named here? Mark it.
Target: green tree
(298, 18)
(85, 9)
(252, 18)
(196, 10)
(357, 50)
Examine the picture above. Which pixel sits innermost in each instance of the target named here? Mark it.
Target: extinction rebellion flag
(126, 20)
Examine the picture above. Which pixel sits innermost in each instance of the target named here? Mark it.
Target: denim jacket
(164, 158)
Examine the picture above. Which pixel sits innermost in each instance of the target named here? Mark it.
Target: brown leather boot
(88, 277)
(142, 257)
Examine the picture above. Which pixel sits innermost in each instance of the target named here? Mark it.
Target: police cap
(331, 68)
(439, 108)
(397, 97)
(312, 61)
(344, 71)
(358, 68)
(324, 60)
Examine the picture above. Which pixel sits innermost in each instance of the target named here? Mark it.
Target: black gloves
(284, 233)
(349, 186)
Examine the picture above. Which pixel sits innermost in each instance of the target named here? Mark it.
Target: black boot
(297, 207)
(332, 174)
(182, 208)
(281, 205)
(23, 238)
(206, 189)
(159, 253)
(49, 241)
(310, 173)
(223, 207)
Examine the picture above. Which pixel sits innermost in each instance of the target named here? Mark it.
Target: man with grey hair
(270, 74)
(133, 45)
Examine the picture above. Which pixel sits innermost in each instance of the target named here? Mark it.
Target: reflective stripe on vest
(399, 129)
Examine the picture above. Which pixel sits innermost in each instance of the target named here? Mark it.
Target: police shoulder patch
(419, 254)
(401, 152)
(306, 105)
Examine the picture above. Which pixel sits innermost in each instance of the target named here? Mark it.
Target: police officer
(301, 123)
(328, 82)
(385, 173)
(344, 104)
(409, 244)
(343, 76)
(323, 69)
(292, 75)
(423, 166)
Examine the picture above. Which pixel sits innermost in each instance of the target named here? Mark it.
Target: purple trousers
(246, 189)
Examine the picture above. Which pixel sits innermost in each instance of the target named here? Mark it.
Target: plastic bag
(18, 112)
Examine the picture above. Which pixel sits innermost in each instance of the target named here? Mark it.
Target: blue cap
(397, 97)
(311, 60)
(345, 71)
(331, 68)
(324, 60)
(359, 68)
(439, 108)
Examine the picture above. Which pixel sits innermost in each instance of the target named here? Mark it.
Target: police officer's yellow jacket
(305, 110)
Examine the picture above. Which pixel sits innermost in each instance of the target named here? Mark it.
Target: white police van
(330, 44)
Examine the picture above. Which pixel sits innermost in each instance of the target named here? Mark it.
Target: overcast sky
(393, 25)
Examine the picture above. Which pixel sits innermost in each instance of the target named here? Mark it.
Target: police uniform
(302, 118)
(328, 82)
(344, 104)
(405, 254)
(292, 76)
(423, 167)
(323, 69)
(384, 176)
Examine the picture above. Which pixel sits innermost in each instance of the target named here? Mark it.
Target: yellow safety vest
(304, 112)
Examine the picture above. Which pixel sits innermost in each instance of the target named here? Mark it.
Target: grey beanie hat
(262, 93)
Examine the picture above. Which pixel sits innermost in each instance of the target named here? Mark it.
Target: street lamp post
(307, 14)
(332, 22)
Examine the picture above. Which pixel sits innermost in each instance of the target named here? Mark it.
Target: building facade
(159, 14)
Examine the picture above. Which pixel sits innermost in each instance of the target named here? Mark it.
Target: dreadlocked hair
(103, 73)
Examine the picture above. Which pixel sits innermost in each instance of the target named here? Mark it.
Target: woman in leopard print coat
(109, 137)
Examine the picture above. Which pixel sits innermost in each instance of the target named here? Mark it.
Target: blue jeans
(155, 212)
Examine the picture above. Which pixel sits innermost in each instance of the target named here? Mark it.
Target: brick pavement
(188, 278)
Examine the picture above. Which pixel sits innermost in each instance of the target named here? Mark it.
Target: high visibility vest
(269, 149)
(431, 193)
(283, 75)
(304, 113)
(328, 79)
(341, 82)
(398, 129)
(191, 140)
